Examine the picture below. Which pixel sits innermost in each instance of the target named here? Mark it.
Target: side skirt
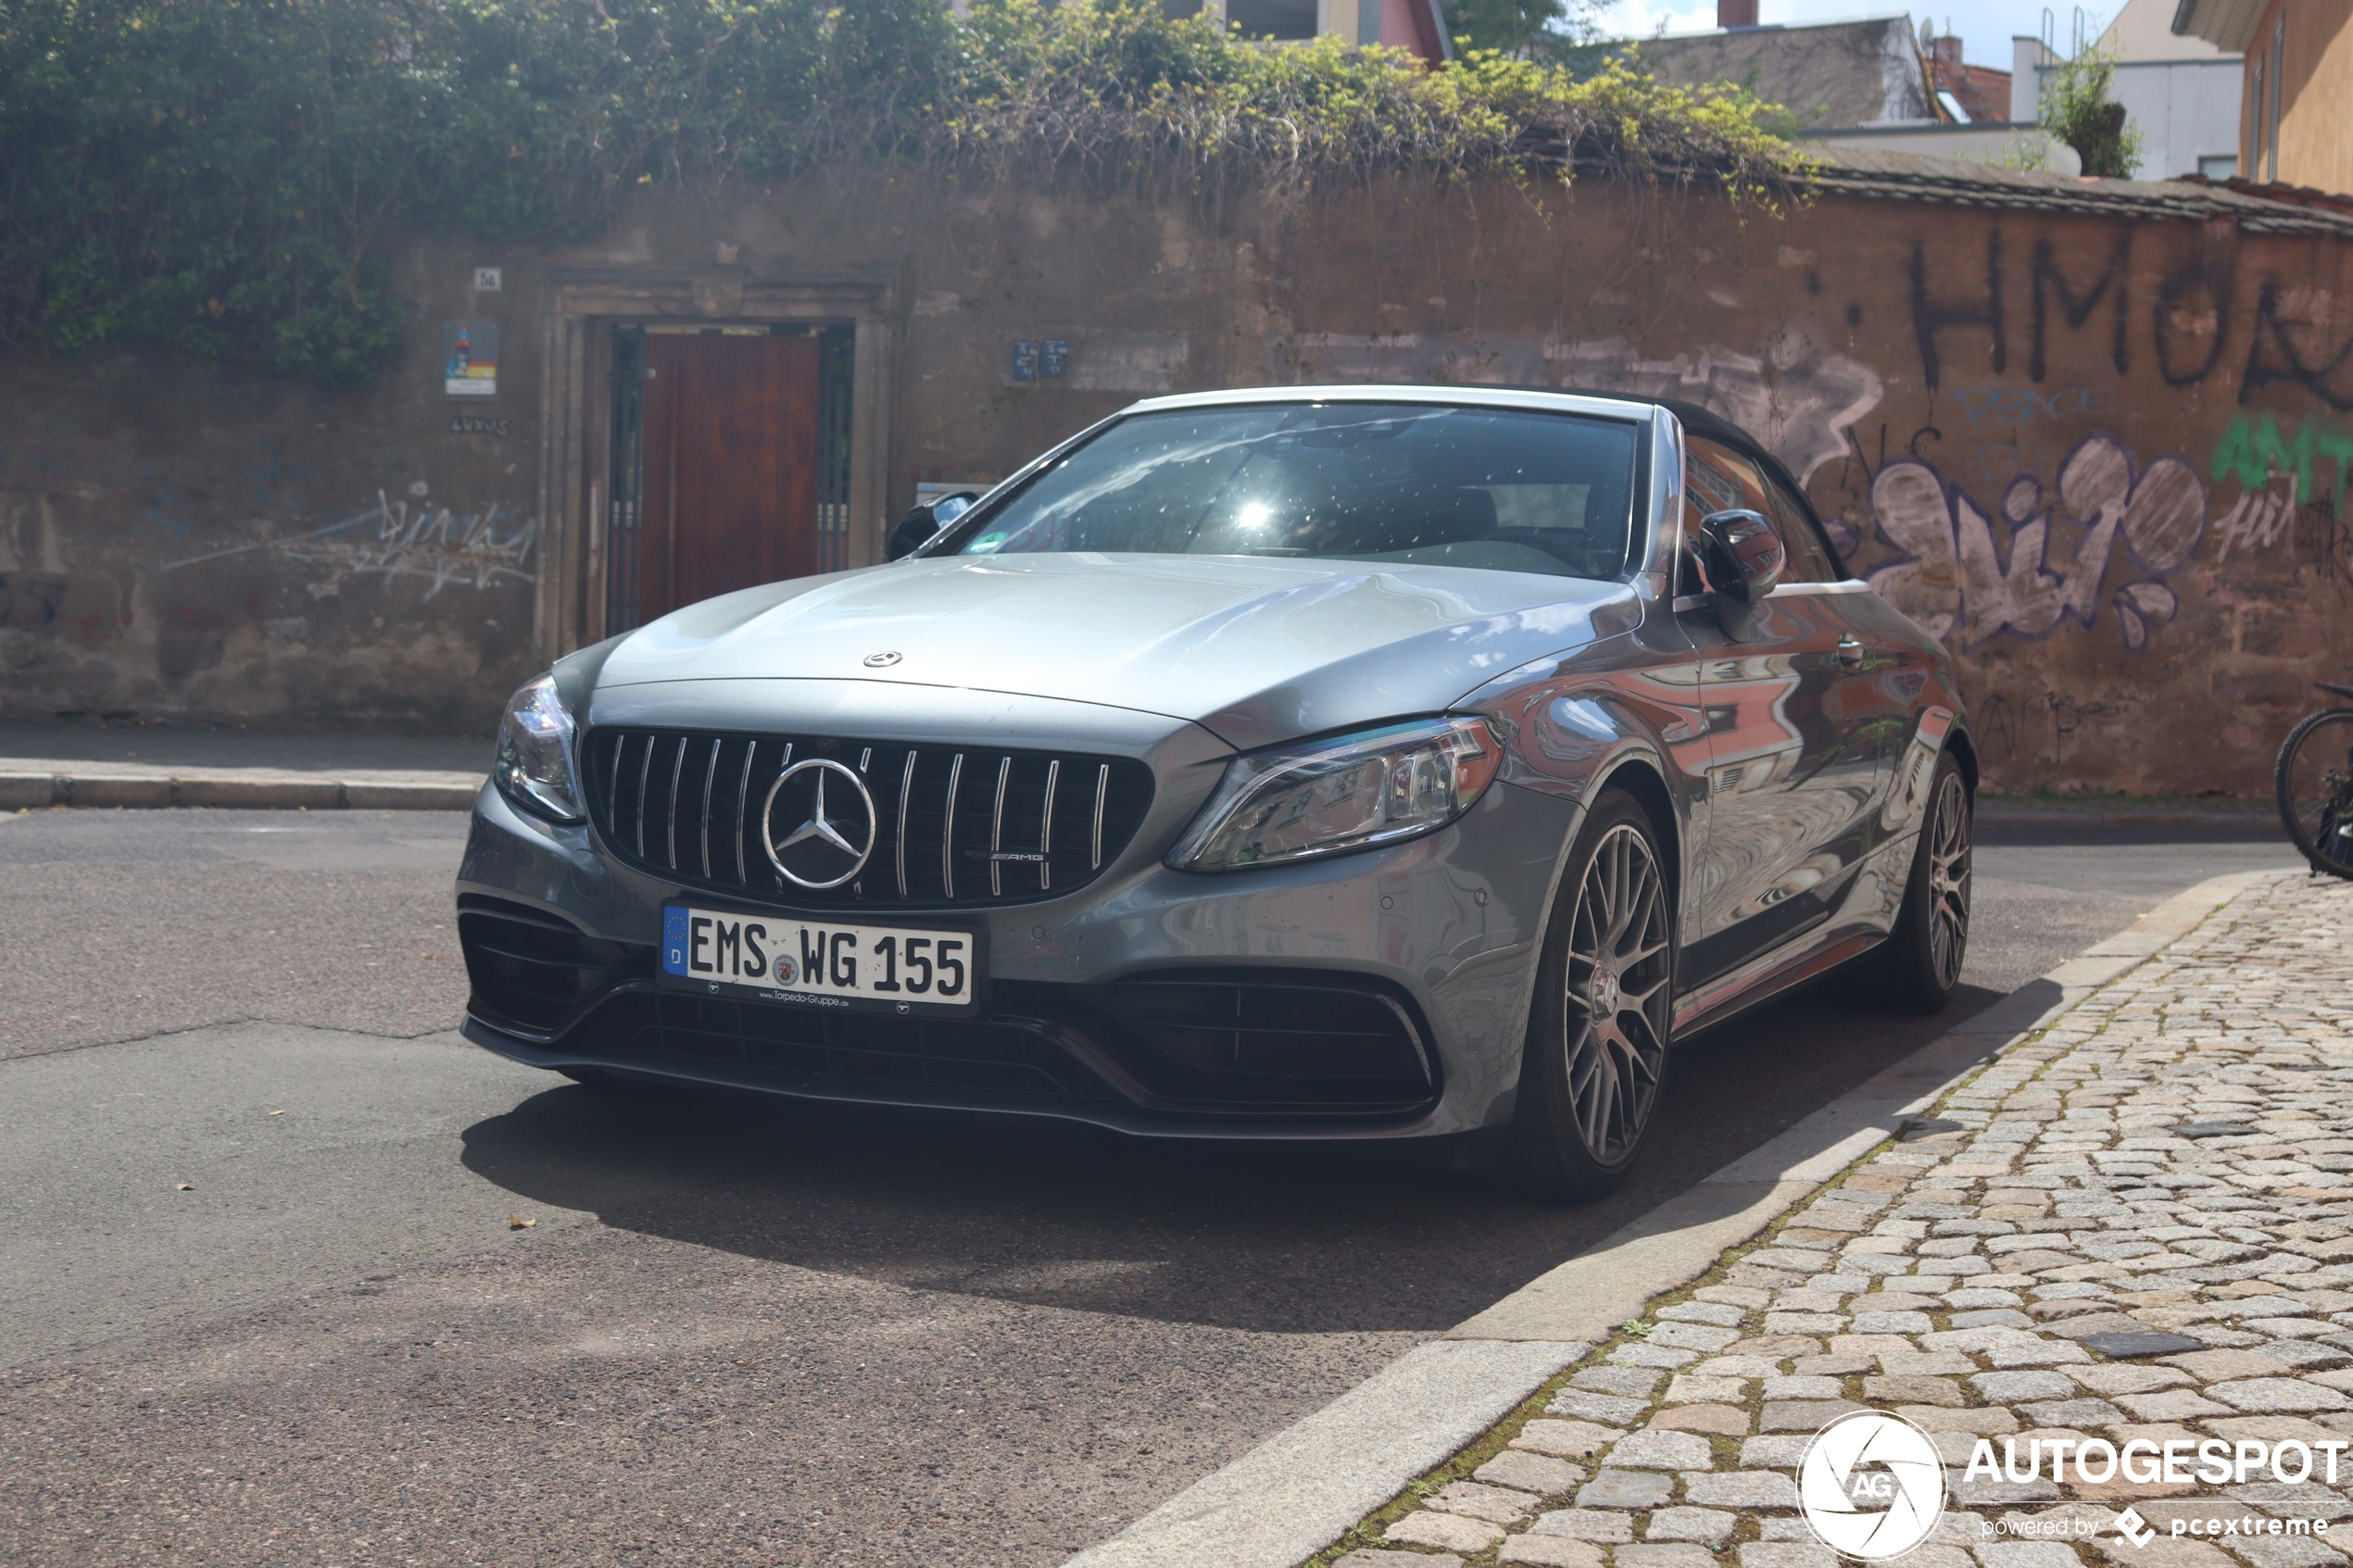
(1694, 1014)
(1852, 931)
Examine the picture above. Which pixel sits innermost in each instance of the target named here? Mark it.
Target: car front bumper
(1379, 995)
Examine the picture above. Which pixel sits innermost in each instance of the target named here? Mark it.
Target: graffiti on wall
(409, 537)
(1956, 581)
(1796, 397)
(2205, 317)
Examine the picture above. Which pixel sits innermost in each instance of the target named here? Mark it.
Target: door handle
(1850, 652)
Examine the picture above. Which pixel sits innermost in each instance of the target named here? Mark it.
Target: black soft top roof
(1698, 420)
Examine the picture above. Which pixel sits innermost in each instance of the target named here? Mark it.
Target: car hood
(1256, 649)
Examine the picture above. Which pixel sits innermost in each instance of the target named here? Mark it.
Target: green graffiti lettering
(2235, 456)
(2252, 453)
(2278, 456)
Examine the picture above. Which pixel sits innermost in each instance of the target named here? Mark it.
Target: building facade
(2297, 81)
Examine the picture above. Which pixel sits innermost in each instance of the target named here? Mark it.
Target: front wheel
(1597, 1036)
(1919, 964)
(2314, 785)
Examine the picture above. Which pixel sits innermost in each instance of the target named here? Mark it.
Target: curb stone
(21, 792)
(2082, 1177)
(1289, 1498)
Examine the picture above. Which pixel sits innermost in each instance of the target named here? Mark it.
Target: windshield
(1489, 489)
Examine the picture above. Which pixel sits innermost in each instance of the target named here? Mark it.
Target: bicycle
(2314, 782)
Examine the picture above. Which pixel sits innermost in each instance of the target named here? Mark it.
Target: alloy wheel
(1617, 997)
(1948, 882)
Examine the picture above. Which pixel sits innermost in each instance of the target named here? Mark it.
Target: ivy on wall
(225, 178)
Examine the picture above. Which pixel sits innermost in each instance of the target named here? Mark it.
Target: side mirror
(917, 528)
(1744, 555)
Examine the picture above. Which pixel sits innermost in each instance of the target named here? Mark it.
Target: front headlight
(1329, 797)
(535, 767)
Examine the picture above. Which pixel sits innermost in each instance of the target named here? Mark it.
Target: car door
(1794, 756)
(1886, 668)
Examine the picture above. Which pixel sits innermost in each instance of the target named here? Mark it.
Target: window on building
(2255, 121)
(1284, 20)
(2218, 166)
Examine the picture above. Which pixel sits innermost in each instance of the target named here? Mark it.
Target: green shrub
(224, 178)
(2078, 109)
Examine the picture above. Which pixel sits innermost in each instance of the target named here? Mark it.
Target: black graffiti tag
(2113, 284)
(1931, 316)
(2314, 376)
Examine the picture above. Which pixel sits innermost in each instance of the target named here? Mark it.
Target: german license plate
(821, 964)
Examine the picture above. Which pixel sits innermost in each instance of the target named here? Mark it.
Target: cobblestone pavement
(2136, 1223)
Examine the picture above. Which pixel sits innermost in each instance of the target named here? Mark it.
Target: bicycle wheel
(2314, 784)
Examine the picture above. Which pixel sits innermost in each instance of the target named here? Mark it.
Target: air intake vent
(533, 970)
(950, 827)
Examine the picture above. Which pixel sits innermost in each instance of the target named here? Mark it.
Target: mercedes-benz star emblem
(835, 835)
(881, 660)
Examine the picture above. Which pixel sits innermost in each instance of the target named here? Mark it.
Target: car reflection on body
(1350, 762)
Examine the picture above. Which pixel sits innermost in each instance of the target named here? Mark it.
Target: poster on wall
(469, 359)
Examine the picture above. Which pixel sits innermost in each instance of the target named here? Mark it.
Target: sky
(1986, 26)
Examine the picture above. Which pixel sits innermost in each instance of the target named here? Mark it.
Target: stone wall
(2103, 456)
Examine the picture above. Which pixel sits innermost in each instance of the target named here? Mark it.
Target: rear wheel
(1597, 1038)
(2314, 785)
(1919, 964)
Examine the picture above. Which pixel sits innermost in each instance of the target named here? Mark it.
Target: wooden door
(731, 466)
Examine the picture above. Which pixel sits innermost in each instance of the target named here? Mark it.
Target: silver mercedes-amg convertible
(1363, 762)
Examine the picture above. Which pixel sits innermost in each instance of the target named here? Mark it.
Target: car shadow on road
(1285, 1239)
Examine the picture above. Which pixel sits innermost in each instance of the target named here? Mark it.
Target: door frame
(575, 431)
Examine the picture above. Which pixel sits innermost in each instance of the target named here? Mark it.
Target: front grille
(953, 827)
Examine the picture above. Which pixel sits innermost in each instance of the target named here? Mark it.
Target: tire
(1919, 964)
(2313, 783)
(1598, 1030)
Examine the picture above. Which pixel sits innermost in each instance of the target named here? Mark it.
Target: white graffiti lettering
(1797, 398)
(415, 537)
(2258, 521)
(1954, 580)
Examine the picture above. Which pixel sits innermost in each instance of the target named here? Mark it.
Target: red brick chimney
(1735, 13)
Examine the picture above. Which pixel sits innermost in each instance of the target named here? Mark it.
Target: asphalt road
(734, 1332)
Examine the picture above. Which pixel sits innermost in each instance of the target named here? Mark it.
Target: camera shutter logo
(1872, 1486)
(836, 833)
